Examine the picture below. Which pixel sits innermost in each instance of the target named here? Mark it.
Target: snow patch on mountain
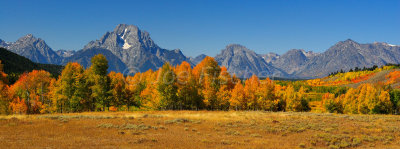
(126, 45)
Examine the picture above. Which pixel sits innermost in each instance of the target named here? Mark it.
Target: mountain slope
(34, 49)
(245, 63)
(198, 59)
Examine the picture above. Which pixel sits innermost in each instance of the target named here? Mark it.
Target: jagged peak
(125, 31)
(124, 36)
(296, 50)
(124, 28)
(342, 45)
(29, 37)
(296, 53)
(201, 55)
(348, 41)
(234, 45)
(236, 48)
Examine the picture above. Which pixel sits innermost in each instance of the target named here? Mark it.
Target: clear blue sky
(207, 26)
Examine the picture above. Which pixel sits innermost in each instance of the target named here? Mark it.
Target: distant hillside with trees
(15, 65)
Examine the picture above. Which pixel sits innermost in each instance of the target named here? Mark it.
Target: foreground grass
(199, 129)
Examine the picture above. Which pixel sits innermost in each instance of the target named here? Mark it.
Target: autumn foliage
(392, 77)
(352, 77)
(30, 93)
(182, 87)
(366, 99)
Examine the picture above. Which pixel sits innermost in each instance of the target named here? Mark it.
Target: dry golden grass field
(199, 129)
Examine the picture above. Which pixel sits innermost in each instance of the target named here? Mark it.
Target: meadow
(199, 129)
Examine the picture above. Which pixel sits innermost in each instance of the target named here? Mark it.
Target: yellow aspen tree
(238, 100)
(251, 86)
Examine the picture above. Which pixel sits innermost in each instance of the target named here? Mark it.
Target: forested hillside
(14, 65)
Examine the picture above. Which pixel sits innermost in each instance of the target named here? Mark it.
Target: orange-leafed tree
(207, 73)
(135, 85)
(251, 87)
(117, 89)
(238, 98)
(224, 92)
(33, 89)
(392, 77)
(188, 94)
(149, 97)
(19, 106)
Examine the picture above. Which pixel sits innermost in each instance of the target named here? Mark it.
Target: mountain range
(244, 63)
(128, 47)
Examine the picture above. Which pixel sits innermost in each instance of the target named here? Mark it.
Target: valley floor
(199, 129)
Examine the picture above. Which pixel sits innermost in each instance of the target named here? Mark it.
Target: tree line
(356, 69)
(205, 86)
(365, 99)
